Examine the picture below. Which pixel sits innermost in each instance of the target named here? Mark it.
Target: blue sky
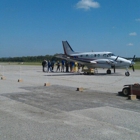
(38, 27)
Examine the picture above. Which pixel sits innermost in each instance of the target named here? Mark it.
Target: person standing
(79, 65)
(67, 66)
(71, 66)
(49, 66)
(52, 65)
(58, 66)
(63, 65)
(44, 64)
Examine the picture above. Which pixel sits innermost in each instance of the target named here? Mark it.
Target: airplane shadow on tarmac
(70, 74)
(61, 74)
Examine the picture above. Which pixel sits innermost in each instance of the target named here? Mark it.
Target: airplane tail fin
(67, 48)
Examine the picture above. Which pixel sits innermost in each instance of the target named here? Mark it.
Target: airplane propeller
(133, 68)
(113, 64)
(114, 69)
(132, 63)
(133, 58)
(116, 58)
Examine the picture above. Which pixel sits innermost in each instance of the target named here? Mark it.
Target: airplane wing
(63, 56)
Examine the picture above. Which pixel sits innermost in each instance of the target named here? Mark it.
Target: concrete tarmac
(31, 111)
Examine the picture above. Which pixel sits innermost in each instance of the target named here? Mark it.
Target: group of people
(48, 66)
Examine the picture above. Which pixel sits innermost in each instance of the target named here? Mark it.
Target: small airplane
(97, 59)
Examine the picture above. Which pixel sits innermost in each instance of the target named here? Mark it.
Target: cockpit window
(110, 54)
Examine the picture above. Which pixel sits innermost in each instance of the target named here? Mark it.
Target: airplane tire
(127, 73)
(126, 91)
(108, 71)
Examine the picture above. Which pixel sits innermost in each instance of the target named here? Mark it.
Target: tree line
(29, 58)
(37, 58)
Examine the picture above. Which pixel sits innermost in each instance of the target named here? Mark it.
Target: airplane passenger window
(81, 55)
(94, 55)
(104, 55)
(91, 55)
(86, 55)
(98, 55)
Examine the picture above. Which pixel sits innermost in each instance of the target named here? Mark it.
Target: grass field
(22, 63)
(137, 64)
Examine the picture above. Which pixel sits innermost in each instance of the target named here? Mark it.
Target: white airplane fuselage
(102, 59)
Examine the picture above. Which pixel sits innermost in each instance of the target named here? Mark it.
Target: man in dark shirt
(44, 63)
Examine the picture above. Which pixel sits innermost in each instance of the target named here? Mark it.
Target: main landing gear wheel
(108, 71)
(127, 73)
(126, 91)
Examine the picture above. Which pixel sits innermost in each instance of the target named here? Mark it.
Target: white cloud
(87, 4)
(113, 27)
(138, 19)
(130, 44)
(133, 34)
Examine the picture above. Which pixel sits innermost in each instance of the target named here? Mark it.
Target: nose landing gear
(127, 72)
